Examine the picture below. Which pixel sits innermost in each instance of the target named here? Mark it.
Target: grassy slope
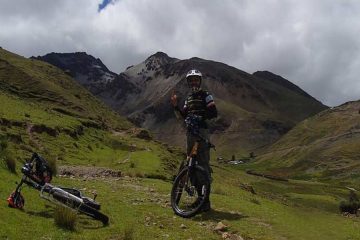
(32, 92)
(324, 146)
(294, 210)
(45, 85)
(247, 132)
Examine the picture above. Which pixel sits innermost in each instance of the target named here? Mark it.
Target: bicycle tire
(88, 210)
(81, 207)
(92, 203)
(175, 193)
(16, 200)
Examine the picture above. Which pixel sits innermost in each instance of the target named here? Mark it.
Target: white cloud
(312, 43)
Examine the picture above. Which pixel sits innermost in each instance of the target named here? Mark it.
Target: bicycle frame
(27, 182)
(48, 195)
(67, 197)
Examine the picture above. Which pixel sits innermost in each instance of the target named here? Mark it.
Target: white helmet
(194, 72)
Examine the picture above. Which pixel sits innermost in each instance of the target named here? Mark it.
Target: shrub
(65, 218)
(352, 205)
(10, 162)
(349, 207)
(52, 162)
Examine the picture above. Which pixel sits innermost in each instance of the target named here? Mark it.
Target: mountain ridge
(268, 108)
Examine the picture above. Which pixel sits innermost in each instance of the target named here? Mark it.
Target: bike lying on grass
(37, 174)
(191, 186)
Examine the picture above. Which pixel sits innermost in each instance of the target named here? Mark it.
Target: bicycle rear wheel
(189, 191)
(16, 200)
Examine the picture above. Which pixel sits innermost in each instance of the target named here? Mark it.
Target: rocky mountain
(87, 70)
(44, 110)
(254, 109)
(101, 154)
(323, 146)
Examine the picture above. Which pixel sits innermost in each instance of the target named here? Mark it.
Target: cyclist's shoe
(206, 207)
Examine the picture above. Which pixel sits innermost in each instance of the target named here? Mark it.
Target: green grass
(17, 109)
(39, 83)
(141, 206)
(65, 218)
(323, 147)
(32, 92)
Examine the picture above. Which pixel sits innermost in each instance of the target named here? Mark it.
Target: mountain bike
(191, 186)
(37, 174)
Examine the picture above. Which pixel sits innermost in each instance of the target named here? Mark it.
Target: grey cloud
(315, 44)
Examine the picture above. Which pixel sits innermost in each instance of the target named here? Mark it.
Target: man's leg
(204, 161)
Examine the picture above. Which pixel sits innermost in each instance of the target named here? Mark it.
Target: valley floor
(139, 208)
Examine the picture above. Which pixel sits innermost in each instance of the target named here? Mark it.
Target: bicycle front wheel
(189, 191)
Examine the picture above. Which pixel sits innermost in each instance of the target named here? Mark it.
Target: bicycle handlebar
(192, 122)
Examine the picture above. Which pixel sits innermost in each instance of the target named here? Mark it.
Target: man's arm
(178, 111)
(211, 111)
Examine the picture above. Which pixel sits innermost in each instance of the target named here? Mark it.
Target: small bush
(132, 165)
(10, 162)
(65, 218)
(53, 166)
(349, 207)
(352, 205)
(52, 162)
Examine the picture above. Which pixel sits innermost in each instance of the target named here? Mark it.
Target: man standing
(201, 104)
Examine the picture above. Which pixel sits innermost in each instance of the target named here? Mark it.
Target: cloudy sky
(314, 44)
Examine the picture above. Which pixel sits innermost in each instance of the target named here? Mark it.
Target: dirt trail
(87, 172)
(32, 137)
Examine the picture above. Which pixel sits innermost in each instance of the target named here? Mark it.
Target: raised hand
(174, 98)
